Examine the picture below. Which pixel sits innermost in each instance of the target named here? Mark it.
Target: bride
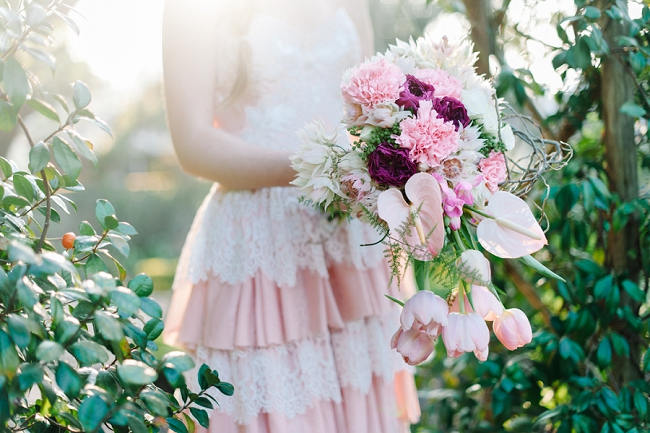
(284, 304)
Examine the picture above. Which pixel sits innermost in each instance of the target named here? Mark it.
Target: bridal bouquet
(423, 158)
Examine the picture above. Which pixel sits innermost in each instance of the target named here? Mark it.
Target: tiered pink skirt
(312, 355)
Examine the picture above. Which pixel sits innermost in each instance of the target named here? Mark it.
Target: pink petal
(486, 304)
(424, 193)
(392, 208)
(505, 242)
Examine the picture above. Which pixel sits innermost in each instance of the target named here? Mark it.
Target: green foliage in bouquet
(588, 367)
(77, 337)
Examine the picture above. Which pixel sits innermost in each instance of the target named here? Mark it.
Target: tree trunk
(479, 15)
(623, 249)
(620, 152)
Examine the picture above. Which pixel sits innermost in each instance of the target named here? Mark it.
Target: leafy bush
(77, 343)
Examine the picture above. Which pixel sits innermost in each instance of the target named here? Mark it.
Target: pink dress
(285, 305)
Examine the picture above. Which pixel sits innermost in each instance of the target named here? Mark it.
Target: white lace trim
(290, 378)
(236, 234)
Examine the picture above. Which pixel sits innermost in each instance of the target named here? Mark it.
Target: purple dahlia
(388, 165)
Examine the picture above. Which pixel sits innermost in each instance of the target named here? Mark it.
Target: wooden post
(479, 15)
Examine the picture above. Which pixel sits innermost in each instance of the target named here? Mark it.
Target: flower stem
(458, 240)
(461, 297)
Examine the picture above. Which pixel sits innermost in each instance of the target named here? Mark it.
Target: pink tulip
(485, 304)
(512, 230)
(414, 345)
(466, 333)
(512, 328)
(423, 192)
(474, 267)
(426, 312)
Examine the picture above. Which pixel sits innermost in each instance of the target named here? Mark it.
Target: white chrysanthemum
(385, 114)
(480, 105)
(403, 54)
(457, 58)
(314, 164)
(470, 138)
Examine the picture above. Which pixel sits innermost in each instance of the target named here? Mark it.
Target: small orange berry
(68, 240)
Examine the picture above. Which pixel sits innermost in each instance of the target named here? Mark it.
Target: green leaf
(86, 229)
(103, 209)
(178, 360)
(604, 352)
(155, 402)
(136, 372)
(176, 425)
(29, 375)
(581, 54)
(533, 263)
(23, 186)
(49, 351)
(8, 356)
(108, 326)
(92, 411)
(83, 147)
(207, 377)
(142, 285)
(592, 12)
(603, 287)
(204, 402)
(632, 109)
(39, 156)
(201, 416)
(67, 329)
(68, 380)
(7, 117)
(126, 229)
(80, 95)
(151, 307)
(19, 330)
(633, 290)
(44, 109)
(640, 403)
(95, 264)
(127, 302)
(88, 352)
(226, 388)
(66, 159)
(154, 328)
(15, 83)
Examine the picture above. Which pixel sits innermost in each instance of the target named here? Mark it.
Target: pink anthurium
(509, 229)
(423, 192)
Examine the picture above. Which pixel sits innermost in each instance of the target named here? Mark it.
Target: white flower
(314, 164)
(470, 138)
(507, 137)
(385, 114)
(480, 105)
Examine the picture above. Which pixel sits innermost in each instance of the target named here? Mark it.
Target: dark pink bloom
(388, 165)
(451, 110)
(413, 92)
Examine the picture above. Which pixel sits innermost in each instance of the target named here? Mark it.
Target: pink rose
(414, 345)
(466, 333)
(512, 328)
(429, 138)
(373, 82)
(445, 84)
(494, 170)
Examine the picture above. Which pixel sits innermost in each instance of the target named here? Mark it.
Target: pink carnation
(445, 84)
(494, 170)
(429, 138)
(371, 83)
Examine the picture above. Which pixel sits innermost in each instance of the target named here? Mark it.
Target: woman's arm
(190, 56)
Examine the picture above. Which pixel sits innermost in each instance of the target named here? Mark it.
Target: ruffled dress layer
(291, 310)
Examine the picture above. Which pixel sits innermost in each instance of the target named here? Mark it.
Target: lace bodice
(294, 76)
